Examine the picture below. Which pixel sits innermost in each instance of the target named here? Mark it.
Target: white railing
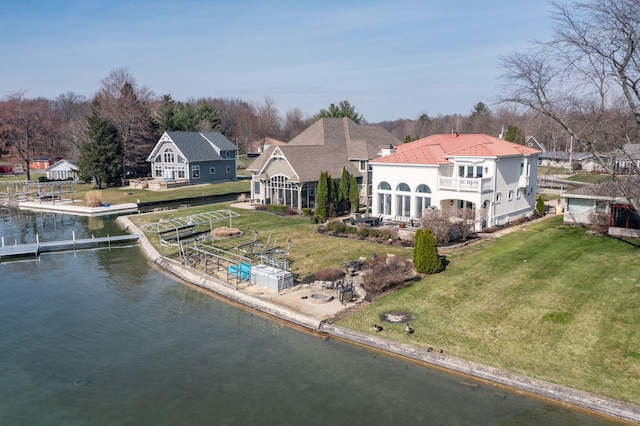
(464, 184)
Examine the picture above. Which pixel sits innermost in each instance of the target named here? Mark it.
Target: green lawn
(550, 302)
(310, 250)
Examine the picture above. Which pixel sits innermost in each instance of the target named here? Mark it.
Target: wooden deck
(34, 249)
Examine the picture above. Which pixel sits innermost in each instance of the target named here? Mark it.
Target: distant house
(289, 174)
(193, 158)
(257, 147)
(626, 157)
(563, 159)
(449, 172)
(42, 163)
(62, 170)
(605, 204)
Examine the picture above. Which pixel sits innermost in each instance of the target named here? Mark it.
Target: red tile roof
(436, 149)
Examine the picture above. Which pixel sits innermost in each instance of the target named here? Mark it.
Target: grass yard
(549, 301)
(119, 195)
(310, 250)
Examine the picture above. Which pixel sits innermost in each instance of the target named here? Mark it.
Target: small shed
(62, 170)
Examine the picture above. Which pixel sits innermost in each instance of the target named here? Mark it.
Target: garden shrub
(307, 211)
(540, 208)
(425, 253)
(93, 199)
(276, 208)
(329, 274)
(385, 273)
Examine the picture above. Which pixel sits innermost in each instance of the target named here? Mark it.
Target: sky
(390, 59)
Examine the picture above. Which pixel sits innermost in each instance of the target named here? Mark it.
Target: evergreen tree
(322, 197)
(343, 109)
(514, 134)
(354, 194)
(425, 253)
(343, 192)
(101, 154)
(540, 208)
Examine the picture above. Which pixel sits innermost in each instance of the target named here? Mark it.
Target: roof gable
(197, 146)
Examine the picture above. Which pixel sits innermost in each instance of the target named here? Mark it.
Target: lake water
(100, 338)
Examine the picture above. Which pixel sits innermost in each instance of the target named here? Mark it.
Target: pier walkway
(34, 249)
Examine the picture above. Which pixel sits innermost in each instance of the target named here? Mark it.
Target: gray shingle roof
(609, 189)
(328, 145)
(196, 146)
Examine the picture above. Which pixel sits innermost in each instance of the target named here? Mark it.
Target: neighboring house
(62, 170)
(257, 147)
(604, 204)
(563, 159)
(193, 157)
(288, 174)
(42, 163)
(450, 172)
(626, 157)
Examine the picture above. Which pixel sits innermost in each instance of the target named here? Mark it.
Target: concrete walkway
(275, 305)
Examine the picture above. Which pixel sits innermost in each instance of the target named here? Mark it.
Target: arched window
(422, 199)
(384, 198)
(403, 201)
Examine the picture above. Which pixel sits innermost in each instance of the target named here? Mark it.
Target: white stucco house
(494, 177)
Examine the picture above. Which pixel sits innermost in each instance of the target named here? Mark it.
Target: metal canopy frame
(194, 219)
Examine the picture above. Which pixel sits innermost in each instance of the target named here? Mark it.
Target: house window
(510, 194)
(363, 165)
(384, 198)
(403, 201)
(158, 159)
(498, 197)
(228, 169)
(519, 194)
(181, 172)
(479, 171)
(169, 156)
(157, 171)
(422, 200)
(521, 169)
(212, 170)
(195, 172)
(227, 153)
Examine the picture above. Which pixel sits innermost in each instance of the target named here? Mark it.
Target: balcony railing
(464, 184)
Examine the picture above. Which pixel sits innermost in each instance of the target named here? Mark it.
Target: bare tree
(71, 110)
(268, 121)
(127, 107)
(295, 123)
(26, 127)
(587, 78)
(439, 222)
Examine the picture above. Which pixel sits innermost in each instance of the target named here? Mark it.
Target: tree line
(580, 87)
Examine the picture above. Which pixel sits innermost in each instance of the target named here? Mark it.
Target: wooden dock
(34, 249)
